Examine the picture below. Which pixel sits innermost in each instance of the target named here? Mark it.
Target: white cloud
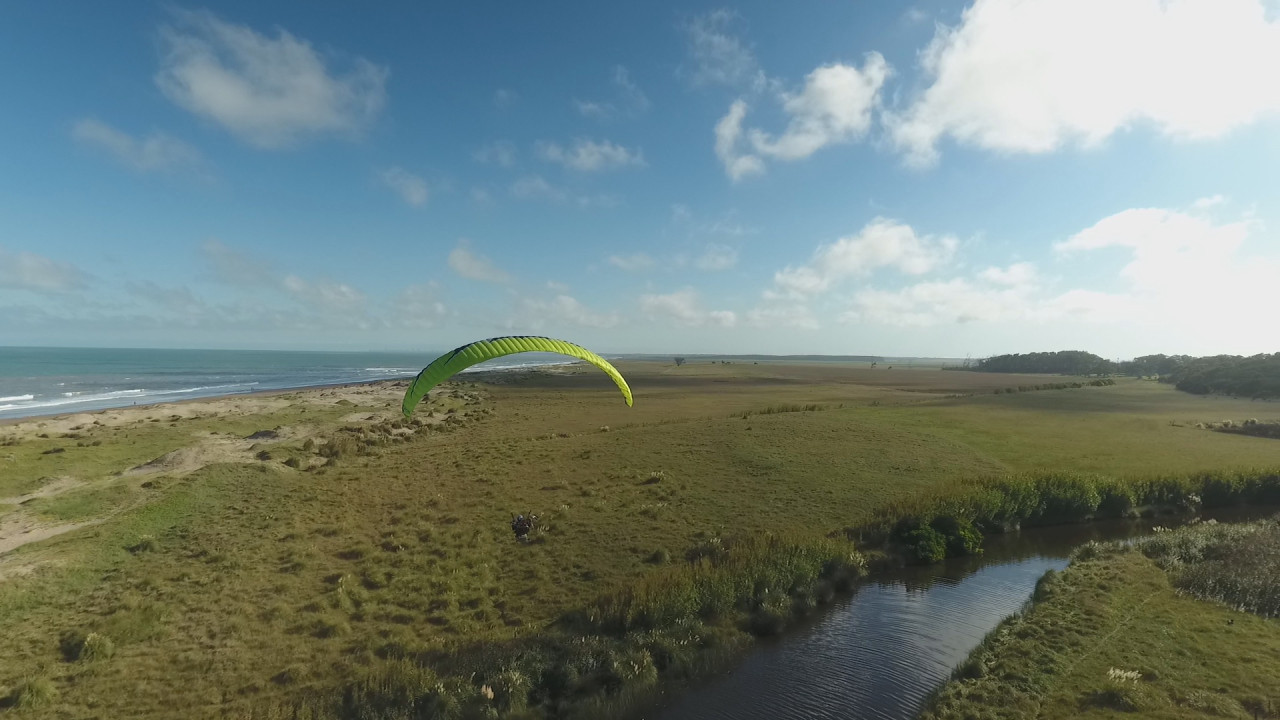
(559, 287)
(1033, 75)
(1016, 275)
(1185, 283)
(933, 303)
(1205, 203)
(27, 271)
(1171, 251)
(717, 257)
(685, 308)
(270, 92)
(881, 243)
(563, 310)
(590, 156)
(833, 107)
(474, 266)
(156, 151)
(728, 132)
(632, 263)
(500, 152)
(408, 186)
(718, 56)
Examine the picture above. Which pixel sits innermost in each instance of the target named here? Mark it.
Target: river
(881, 651)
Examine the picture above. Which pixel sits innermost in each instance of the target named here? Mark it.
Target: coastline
(482, 375)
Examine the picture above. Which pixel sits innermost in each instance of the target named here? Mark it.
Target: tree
(679, 361)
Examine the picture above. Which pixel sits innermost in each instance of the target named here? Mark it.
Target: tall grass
(951, 514)
(1238, 565)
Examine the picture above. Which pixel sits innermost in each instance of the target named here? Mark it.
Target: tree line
(1256, 376)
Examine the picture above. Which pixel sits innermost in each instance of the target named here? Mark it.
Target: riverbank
(1173, 625)
(336, 550)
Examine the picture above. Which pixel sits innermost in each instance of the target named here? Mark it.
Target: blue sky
(928, 178)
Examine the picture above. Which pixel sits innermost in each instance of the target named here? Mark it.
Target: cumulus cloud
(590, 156)
(881, 243)
(155, 152)
(834, 106)
(737, 165)
(1031, 76)
(685, 308)
(270, 92)
(474, 266)
(28, 271)
(500, 152)
(717, 55)
(1182, 277)
(1171, 251)
(411, 188)
(632, 263)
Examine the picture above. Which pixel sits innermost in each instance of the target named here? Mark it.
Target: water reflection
(879, 653)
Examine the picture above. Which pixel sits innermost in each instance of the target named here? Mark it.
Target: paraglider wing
(447, 365)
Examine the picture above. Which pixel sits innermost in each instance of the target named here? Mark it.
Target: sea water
(47, 381)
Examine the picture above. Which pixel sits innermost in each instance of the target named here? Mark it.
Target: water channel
(880, 652)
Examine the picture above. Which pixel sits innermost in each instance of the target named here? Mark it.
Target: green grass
(261, 584)
(1114, 634)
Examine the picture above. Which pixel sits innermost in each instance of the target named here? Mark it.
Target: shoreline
(482, 375)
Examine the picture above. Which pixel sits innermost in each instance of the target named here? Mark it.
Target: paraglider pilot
(521, 525)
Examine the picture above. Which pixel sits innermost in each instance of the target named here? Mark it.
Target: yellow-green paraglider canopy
(451, 363)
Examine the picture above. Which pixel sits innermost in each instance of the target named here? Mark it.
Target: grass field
(228, 574)
(1113, 636)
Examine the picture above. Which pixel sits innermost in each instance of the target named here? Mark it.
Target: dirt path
(55, 486)
(17, 530)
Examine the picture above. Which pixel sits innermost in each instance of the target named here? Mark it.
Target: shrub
(32, 693)
(925, 545)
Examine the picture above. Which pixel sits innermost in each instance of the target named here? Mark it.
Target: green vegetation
(1255, 377)
(381, 575)
(1252, 377)
(1127, 628)
(1064, 362)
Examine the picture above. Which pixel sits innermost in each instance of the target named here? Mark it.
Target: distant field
(227, 584)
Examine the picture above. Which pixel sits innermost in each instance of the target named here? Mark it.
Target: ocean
(54, 381)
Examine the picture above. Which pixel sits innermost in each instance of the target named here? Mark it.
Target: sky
(923, 178)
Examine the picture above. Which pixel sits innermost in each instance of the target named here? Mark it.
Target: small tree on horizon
(679, 361)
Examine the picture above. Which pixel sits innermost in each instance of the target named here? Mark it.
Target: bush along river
(880, 652)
